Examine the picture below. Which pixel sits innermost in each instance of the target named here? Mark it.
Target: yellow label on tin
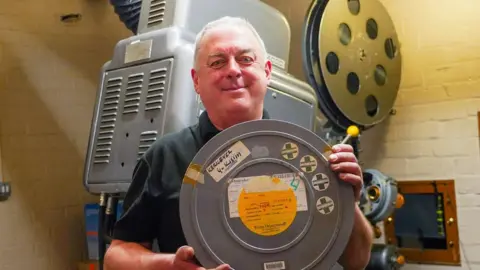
(268, 213)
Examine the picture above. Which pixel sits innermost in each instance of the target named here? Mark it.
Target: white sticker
(289, 151)
(138, 50)
(280, 265)
(325, 205)
(228, 160)
(292, 179)
(320, 181)
(276, 61)
(308, 164)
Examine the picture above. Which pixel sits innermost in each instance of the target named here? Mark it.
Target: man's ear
(194, 75)
(268, 69)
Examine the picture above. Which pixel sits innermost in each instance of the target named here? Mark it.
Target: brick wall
(48, 77)
(434, 134)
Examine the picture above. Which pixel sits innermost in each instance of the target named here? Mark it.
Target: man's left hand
(344, 162)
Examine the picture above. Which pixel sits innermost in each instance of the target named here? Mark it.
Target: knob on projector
(385, 257)
(352, 132)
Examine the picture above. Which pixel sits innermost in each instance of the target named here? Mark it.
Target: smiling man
(230, 74)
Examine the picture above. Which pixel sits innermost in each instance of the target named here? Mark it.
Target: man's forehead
(229, 40)
(235, 50)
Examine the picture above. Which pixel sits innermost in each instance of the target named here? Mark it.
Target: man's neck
(231, 119)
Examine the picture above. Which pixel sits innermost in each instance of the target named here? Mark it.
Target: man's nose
(233, 69)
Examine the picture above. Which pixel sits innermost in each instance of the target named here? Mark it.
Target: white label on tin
(293, 180)
(279, 62)
(228, 160)
(280, 265)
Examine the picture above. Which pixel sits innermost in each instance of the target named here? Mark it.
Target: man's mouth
(233, 88)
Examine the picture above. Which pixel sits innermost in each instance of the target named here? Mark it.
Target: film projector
(260, 195)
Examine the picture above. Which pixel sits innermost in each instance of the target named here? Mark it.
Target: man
(230, 73)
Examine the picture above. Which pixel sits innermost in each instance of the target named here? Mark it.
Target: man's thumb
(185, 253)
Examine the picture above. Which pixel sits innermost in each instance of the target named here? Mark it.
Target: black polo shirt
(151, 205)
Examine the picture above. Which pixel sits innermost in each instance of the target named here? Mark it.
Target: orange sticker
(267, 213)
(327, 151)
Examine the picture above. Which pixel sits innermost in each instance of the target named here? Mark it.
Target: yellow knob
(353, 131)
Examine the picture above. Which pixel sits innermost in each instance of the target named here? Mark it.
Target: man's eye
(246, 59)
(216, 63)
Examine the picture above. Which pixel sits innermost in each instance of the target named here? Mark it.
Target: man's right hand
(184, 260)
(127, 256)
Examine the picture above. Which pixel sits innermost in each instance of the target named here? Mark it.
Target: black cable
(110, 218)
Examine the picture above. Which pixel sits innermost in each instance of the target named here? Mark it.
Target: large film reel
(352, 59)
(261, 195)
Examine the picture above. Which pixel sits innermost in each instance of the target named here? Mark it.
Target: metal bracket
(5, 191)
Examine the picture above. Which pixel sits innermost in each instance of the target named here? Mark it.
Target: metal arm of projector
(355, 144)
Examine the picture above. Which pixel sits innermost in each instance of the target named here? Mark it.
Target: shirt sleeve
(141, 212)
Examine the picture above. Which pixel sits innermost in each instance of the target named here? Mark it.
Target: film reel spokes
(352, 59)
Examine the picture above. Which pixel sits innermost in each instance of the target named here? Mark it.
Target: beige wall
(49, 74)
(434, 134)
(48, 78)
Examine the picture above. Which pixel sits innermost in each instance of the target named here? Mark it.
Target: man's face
(231, 76)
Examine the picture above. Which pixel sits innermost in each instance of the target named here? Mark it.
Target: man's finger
(342, 148)
(347, 167)
(351, 178)
(185, 253)
(355, 180)
(342, 157)
(224, 267)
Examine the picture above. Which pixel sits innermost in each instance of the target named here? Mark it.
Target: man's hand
(183, 260)
(344, 162)
(357, 252)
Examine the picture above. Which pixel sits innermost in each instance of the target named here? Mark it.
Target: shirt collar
(208, 130)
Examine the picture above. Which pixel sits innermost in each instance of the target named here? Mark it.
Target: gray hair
(231, 21)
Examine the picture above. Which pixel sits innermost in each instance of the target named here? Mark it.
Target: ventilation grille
(156, 88)
(103, 147)
(133, 93)
(157, 12)
(147, 138)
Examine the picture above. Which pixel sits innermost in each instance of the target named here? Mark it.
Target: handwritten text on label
(228, 160)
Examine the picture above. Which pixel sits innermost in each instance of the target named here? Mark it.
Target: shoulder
(170, 144)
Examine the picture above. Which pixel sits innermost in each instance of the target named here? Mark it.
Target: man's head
(231, 71)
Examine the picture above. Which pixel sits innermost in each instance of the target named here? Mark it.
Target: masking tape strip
(327, 151)
(193, 175)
